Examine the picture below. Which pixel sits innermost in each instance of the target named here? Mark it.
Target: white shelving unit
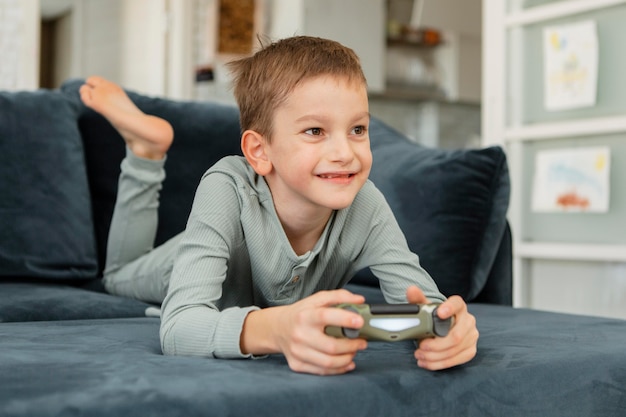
(506, 122)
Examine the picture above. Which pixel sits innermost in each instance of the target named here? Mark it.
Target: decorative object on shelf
(572, 180)
(571, 65)
(236, 26)
(403, 35)
(413, 32)
(204, 73)
(413, 69)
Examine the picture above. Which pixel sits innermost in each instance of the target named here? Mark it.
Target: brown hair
(263, 81)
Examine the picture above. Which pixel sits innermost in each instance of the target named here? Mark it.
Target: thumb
(414, 295)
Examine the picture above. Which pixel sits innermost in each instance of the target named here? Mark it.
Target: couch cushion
(46, 228)
(203, 133)
(41, 301)
(451, 205)
(529, 363)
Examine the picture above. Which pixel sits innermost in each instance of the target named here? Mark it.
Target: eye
(314, 131)
(358, 130)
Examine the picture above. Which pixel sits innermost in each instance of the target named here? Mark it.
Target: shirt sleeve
(192, 323)
(387, 254)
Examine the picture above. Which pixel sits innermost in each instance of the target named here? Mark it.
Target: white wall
(579, 287)
(124, 40)
(19, 44)
(460, 16)
(286, 17)
(101, 38)
(142, 61)
(179, 65)
(358, 24)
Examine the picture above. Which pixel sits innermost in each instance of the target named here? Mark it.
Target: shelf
(411, 44)
(557, 10)
(423, 38)
(569, 128)
(570, 251)
(410, 93)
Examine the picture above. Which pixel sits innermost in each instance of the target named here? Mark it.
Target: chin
(340, 205)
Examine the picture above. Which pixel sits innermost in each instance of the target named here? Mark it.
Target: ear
(253, 146)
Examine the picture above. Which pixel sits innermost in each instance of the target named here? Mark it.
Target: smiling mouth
(336, 176)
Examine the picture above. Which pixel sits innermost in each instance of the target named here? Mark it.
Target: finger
(330, 316)
(453, 306)
(312, 361)
(414, 295)
(316, 352)
(456, 348)
(440, 348)
(456, 355)
(435, 363)
(333, 297)
(463, 332)
(336, 346)
(308, 368)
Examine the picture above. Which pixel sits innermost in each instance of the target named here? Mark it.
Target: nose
(341, 149)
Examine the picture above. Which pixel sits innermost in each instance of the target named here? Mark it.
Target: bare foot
(145, 135)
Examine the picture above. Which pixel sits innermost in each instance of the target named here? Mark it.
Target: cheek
(299, 165)
(301, 161)
(366, 158)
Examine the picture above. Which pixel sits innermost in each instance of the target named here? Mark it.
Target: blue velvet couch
(69, 349)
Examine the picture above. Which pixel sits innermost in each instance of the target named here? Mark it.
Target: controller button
(440, 327)
(350, 333)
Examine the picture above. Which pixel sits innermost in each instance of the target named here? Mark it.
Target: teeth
(335, 176)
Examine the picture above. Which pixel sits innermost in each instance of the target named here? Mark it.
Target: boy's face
(320, 149)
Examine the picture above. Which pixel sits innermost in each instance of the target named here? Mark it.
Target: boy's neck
(302, 243)
(304, 233)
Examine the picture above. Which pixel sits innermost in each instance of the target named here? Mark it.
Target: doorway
(55, 52)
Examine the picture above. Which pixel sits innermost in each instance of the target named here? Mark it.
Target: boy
(274, 234)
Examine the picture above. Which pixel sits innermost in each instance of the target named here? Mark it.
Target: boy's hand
(459, 346)
(299, 333)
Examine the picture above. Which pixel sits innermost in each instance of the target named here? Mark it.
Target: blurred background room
(540, 78)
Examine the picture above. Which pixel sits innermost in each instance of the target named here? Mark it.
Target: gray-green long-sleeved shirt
(234, 257)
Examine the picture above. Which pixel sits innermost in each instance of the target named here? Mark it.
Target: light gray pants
(134, 268)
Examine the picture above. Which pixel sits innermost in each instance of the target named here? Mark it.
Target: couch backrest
(203, 133)
(46, 228)
(451, 205)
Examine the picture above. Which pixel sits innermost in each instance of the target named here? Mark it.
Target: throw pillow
(46, 228)
(450, 204)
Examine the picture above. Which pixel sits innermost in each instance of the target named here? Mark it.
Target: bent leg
(133, 267)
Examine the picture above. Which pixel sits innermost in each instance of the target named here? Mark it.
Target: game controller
(394, 322)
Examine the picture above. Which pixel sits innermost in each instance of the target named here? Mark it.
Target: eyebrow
(318, 118)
